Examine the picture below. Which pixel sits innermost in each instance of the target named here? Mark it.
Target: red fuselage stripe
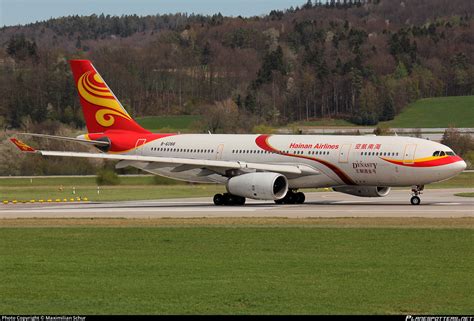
(262, 142)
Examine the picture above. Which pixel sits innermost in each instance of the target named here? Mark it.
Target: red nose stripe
(442, 160)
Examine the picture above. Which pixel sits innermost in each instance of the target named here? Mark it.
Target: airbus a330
(263, 167)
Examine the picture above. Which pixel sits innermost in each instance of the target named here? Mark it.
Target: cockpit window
(441, 153)
(450, 153)
(436, 153)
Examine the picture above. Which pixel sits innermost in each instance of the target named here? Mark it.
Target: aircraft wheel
(218, 199)
(415, 200)
(290, 198)
(300, 198)
(240, 200)
(229, 199)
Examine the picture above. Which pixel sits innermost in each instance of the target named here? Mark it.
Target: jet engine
(263, 186)
(364, 191)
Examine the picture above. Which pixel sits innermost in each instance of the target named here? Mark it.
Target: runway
(436, 203)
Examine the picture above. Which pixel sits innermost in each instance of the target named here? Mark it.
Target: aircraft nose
(459, 166)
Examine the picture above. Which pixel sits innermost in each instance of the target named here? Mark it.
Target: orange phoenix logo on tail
(102, 110)
(22, 146)
(92, 88)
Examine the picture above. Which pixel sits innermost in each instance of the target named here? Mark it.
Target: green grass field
(110, 193)
(236, 270)
(437, 112)
(174, 123)
(465, 179)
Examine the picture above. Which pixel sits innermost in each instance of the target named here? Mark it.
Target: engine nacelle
(262, 186)
(364, 191)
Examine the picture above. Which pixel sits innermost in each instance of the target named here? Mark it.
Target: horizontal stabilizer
(70, 139)
(22, 146)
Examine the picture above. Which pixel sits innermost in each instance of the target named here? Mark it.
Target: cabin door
(409, 155)
(139, 146)
(220, 150)
(344, 153)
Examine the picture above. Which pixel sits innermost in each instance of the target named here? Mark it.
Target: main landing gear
(415, 191)
(228, 199)
(292, 197)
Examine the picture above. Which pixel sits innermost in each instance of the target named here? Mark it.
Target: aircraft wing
(180, 164)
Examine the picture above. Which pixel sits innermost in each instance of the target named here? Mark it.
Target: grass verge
(111, 193)
(465, 194)
(236, 270)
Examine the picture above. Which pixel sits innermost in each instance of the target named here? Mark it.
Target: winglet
(22, 146)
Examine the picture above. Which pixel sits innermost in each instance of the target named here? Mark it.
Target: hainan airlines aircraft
(264, 167)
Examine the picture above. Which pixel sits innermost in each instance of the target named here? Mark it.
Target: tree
(461, 144)
(273, 61)
(78, 42)
(20, 48)
(206, 54)
(388, 108)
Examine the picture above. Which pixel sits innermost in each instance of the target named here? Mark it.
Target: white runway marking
(448, 203)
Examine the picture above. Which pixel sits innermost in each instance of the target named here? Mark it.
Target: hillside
(437, 112)
(169, 123)
(357, 61)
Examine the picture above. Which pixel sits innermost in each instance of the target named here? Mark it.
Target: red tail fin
(102, 110)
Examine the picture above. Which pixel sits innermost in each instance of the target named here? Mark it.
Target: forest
(362, 61)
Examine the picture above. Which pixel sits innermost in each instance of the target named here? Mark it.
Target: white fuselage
(336, 160)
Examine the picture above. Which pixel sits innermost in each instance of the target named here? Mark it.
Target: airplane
(262, 167)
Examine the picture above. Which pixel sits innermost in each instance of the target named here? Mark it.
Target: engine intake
(262, 186)
(364, 191)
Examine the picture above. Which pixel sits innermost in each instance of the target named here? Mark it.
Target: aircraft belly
(311, 181)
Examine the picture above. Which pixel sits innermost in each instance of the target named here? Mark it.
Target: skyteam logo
(92, 88)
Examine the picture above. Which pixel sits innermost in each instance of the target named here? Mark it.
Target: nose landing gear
(415, 191)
